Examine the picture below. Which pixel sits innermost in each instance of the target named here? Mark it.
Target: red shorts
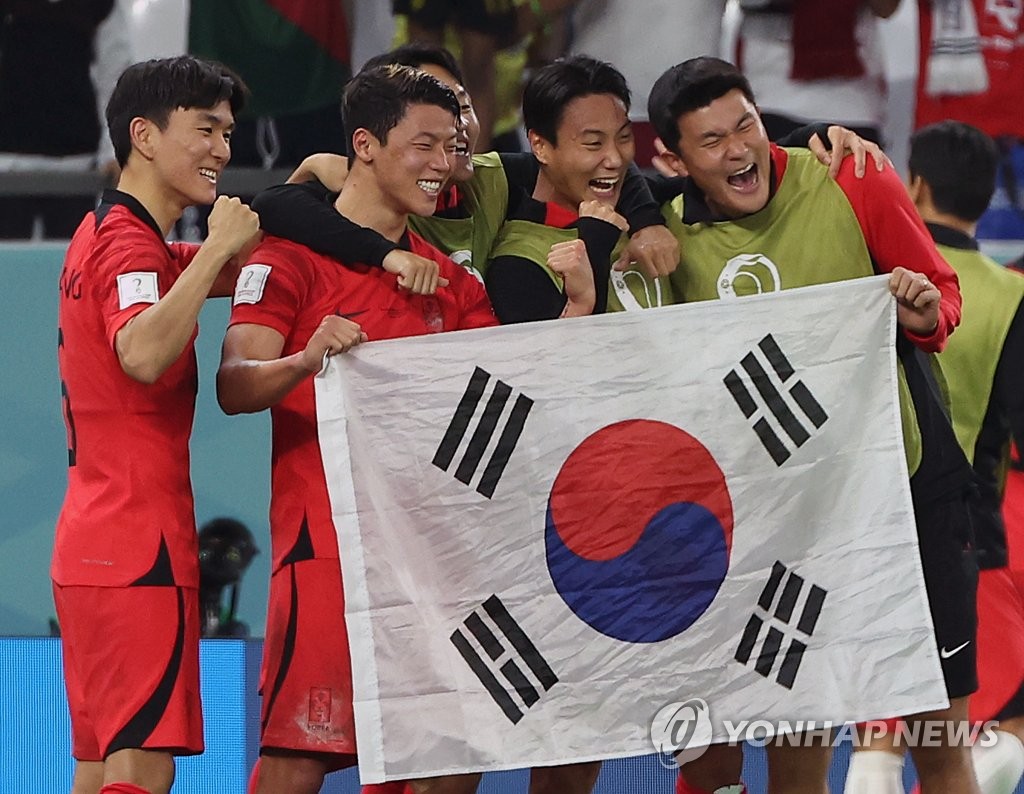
(1000, 643)
(131, 668)
(307, 674)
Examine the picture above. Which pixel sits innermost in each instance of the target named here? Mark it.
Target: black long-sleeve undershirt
(521, 291)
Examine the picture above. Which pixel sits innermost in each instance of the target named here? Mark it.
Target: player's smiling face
(594, 148)
(414, 164)
(724, 148)
(469, 124)
(193, 150)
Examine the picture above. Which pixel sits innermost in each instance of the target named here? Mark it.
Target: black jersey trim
(162, 573)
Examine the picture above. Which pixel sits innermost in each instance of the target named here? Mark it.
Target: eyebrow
(721, 134)
(214, 118)
(602, 133)
(430, 136)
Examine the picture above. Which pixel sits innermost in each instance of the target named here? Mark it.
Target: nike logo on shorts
(946, 654)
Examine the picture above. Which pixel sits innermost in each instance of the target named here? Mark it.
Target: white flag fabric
(550, 531)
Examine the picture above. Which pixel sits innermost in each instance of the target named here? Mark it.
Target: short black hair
(416, 54)
(552, 87)
(156, 88)
(689, 86)
(959, 163)
(377, 99)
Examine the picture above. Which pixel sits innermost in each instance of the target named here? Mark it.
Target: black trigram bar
(780, 626)
(771, 587)
(812, 610)
(522, 654)
(768, 397)
(749, 639)
(791, 663)
(770, 650)
(790, 593)
(483, 433)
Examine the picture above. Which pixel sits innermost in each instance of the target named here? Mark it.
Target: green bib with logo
(991, 295)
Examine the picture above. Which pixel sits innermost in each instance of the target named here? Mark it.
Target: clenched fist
(570, 261)
(334, 335)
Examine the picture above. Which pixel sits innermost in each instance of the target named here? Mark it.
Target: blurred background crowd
(882, 67)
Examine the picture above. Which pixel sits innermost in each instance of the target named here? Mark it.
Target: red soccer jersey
(996, 111)
(289, 288)
(128, 515)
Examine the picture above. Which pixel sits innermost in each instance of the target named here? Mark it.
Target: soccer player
(747, 195)
(125, 561)
(292, 307)
(576, 115)
(952, 179)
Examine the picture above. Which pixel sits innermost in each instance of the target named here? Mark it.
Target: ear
(918, 190)
(365, 145)
(670, 159)
(540, 146)
(143, 134)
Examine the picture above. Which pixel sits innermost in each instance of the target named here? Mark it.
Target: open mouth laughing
(432, 187)
(745, 179)
(604, 187)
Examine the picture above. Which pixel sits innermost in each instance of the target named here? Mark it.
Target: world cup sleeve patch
(250, 284)
(135, 288)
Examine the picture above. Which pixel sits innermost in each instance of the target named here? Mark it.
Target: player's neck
(544, 190)
(165, 209)
(931, 215)
(362, 202)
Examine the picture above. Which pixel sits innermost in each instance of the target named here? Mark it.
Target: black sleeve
(801, 136)
(600, 238)
(636, 203)
(521, 169)
(664, 189)
(303, 214)
(521, 291)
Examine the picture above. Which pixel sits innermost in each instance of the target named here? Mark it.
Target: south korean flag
(550, 531)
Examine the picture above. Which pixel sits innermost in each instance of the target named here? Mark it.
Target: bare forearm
(247, 386)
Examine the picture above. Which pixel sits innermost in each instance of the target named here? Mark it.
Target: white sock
(999, 766)
(875, 772)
